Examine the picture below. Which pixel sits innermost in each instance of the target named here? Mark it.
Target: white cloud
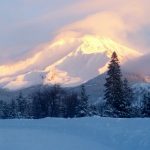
(32, 25)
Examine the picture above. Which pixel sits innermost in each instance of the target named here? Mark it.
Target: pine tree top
(114, 56)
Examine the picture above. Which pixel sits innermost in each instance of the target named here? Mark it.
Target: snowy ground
(75, 134)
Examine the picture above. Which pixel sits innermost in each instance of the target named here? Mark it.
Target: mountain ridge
(75, 60)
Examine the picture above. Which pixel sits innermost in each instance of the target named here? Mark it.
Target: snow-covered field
(75, 134)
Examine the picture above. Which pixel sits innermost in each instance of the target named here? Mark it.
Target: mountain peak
(93, 44)
(68, 61)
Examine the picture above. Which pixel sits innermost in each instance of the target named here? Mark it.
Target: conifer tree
(4, 110)
(21, 106)
(83, 103)
(37, 111)
(54, 101)
(146, 105)
(13, 109)
(114, 89)
(128, 97)
(1, 109)
(71, 105)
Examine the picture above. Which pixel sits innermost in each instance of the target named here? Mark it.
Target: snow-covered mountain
(69, 61)
(88, 60)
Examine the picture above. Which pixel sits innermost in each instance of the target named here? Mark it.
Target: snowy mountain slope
(39, 57)
(75, 134)
(91, 58)
(69, 61)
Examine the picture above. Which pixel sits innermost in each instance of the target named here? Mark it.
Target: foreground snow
(75, 134)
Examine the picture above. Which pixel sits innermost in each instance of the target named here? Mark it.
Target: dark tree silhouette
(114, 92)
(83, 103)
(146, 105)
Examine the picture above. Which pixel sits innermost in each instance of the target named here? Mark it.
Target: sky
(27, 24)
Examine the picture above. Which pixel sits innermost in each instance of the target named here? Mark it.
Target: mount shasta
(69, 61)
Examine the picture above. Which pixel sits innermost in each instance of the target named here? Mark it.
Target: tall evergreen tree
(128, 98)
(13, 109)
(21, 106)
(37, 111)
(83, 103)
(55, 100)
(114, 89)
(4, 110)
(146, 105)
(1, 109)
(71, 105)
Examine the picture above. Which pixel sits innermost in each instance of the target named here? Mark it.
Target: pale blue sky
(21, 25)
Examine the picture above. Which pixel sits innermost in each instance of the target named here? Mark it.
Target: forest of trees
(55, 101)
(48, 102)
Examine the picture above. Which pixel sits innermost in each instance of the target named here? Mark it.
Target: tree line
(48, 102)
(55, 101)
